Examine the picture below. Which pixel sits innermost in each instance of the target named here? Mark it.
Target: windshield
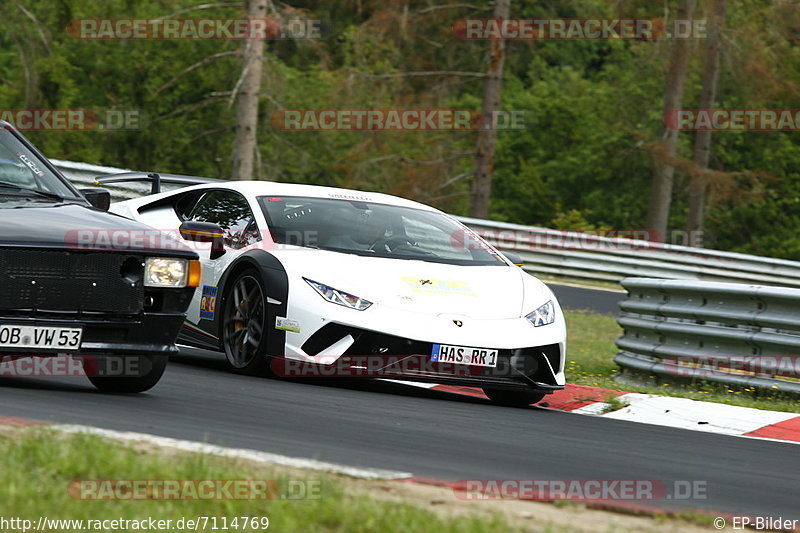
(22, 172)
(374, 229)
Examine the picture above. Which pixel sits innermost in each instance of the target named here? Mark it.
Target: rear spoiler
(156, 179)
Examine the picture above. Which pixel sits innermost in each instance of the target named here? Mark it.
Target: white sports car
(301, 280)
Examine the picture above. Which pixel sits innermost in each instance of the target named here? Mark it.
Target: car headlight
(338, 297)
(166, 272)
(543, 316)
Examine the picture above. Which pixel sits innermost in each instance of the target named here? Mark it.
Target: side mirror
(99, 198)
(514, 258)
(195, 231)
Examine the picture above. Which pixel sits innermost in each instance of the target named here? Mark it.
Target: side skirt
(193, 336)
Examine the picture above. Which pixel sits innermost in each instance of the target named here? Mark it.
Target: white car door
(231, 211)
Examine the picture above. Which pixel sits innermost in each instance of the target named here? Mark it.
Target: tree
(384, 55)
(248, 89)
(664, 169)
(487, 136)
(17, 20)
(698, 186)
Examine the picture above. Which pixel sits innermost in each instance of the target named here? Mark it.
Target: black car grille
(520, 365)
(47, 280)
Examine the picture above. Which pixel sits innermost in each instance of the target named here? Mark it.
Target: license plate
(51, 338)
(464, 355)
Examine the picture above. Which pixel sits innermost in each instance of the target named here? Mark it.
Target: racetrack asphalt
(580, 298)
(426, 433)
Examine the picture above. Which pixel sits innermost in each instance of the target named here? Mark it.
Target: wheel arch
(276, 285)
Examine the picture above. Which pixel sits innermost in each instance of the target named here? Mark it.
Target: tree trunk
(244, 145)
(664, 172)
(695, 223)
(487, 136)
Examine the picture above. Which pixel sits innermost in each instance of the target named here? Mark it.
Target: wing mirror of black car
(514, 258)
(99, 198)
(195, 231)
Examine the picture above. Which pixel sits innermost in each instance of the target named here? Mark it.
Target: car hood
(484, 292)
(78, 227)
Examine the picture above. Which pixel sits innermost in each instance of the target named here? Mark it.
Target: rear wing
(156, 179)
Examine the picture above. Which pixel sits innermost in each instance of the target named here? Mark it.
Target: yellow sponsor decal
(438, 286)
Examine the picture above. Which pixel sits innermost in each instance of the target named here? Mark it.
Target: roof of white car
(272, 188)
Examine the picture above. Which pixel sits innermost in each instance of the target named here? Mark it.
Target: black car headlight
(339, 297)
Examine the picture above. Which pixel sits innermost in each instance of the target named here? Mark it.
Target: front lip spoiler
(500, 383)
(504, 384)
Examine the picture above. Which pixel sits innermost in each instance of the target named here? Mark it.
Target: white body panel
(490, 301)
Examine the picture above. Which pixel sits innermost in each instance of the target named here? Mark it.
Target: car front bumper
(145, 333)
(371, 354)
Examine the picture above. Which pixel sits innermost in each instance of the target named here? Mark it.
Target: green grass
(613, 403)
(37, 466)
(590, 361)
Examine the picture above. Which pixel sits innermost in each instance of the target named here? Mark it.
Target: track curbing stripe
(685, 413)
(785, 431)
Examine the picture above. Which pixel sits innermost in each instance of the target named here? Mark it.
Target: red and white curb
(667, 411)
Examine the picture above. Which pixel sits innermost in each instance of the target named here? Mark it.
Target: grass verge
(38, 466)
(590, 361)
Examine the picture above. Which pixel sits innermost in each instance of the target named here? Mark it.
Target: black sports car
(81, 283)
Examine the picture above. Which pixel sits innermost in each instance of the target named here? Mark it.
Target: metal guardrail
(569, 254)
(744, 335)
(582, 255)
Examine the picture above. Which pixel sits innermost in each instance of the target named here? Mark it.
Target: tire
(244, 328)
(513, 398)
(149, 367)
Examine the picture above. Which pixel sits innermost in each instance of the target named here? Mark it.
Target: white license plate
(51, 338)
(464, 355)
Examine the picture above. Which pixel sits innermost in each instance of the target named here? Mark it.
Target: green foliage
(571, 220)
(592, 108)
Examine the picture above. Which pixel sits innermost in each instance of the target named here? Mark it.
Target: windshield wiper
(23, 190)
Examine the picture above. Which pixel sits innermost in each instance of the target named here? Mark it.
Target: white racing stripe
(234, 453)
